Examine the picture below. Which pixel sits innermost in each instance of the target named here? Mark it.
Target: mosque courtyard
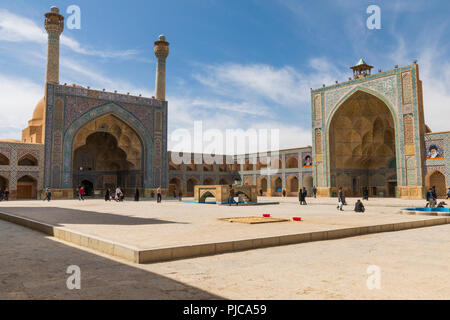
(326, 255)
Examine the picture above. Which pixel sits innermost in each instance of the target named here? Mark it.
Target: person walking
(434, 192)
(340, 199)
(314, 190)
(81, 193)
(431, 198)
(136, 195)
(284, 193)
(118, 194)
(158, 195)
(108, 195)
(300, 196)
(6, 196)
(365, 193)
(180, 195)
(48, 194)
(175, 193)
(304, 195)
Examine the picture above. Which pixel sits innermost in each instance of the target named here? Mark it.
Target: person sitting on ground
(441, 204)
(359, 207)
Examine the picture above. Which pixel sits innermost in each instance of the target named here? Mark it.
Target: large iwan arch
(362, 147)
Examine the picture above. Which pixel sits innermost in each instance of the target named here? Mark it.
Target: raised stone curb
(154, 255)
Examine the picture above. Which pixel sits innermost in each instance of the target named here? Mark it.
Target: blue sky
(233, 64)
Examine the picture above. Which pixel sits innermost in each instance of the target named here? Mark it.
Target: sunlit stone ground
(413, 263)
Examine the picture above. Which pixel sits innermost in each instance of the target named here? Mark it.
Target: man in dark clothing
(136, 195)
(314, 190)
(431, 199)
(175, 193)
(300, 196)
(158, 195)
(365, 193)
(284, 193)
(304, 195)
(180, 195)
(340, 199)
(359, 207)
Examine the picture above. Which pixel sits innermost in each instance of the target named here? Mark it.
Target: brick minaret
(161, 52)
(54, 24)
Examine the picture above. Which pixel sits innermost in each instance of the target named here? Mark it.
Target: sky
(245, 64)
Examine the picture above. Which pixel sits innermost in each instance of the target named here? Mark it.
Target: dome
(38, 113)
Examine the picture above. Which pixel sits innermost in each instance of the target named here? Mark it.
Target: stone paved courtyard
(147, 224)
(413, 264)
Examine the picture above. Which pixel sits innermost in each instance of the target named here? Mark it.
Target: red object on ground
(266, 215)
(297, 218)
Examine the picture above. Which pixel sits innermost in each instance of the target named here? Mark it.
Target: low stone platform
(145, 232)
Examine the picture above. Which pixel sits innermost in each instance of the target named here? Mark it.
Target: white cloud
(15, 28)
(19, 96)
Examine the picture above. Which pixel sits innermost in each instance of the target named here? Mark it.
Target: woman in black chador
(136, 195)
(107, 195)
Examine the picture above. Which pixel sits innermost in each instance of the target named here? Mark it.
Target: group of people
(180, 194)
(4, 194)
(359, 206)
(302, 196)
(117, 195)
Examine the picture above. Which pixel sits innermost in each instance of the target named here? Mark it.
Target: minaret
(161, 53)
(54, 24)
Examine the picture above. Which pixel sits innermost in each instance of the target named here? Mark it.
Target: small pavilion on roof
(361, 69)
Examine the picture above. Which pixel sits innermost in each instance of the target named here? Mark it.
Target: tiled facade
(13, 172)
(291, 166)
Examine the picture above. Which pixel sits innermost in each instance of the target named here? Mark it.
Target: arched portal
(276, 186)
(4, 183)
(190, 184)
(28, 160)
(4, 161)
(261, 184)
(291, 162)
(436, 179)
(108, 153)
(27, 188)
(308, 184)
(175, 184)
(88, 187)
(362, 146)
(292, 185)
(206, 195)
